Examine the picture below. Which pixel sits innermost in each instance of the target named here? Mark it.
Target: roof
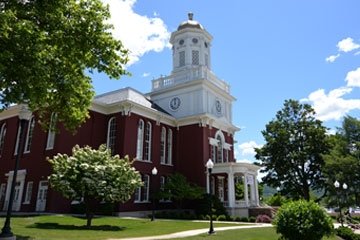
(126, 94)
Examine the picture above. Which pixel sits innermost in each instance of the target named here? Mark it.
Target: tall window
(28, 194)
(142, 193)
(163, 181)
(2, 138)
(111, 134)
(2, 191)
(219, 150)
(17, 139)
(181, 58)
(163, 146)
(51, 133)
(169, 147)
(140, 140)
(29, 134)
(195, 57)
(147, 153)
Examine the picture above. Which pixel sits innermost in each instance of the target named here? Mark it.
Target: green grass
(267, 233)
(58, 227)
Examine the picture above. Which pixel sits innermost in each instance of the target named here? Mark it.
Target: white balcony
(187, 75)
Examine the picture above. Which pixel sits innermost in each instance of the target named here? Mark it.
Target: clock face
(175, 103)
(218, 106)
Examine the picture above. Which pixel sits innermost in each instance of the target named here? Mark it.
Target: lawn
(58, 227)
(267, 233)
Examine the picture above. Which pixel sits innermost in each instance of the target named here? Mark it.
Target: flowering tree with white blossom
(94, 175)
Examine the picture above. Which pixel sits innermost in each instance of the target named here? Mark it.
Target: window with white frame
(2, 191)
(219, 158)
(140, 140)
(169, 147)
(111, 135)
(163, 181)
(29, 188)
(147, 152)
(17, 139)
(181, 58)
(51, 133)
(163, 146)
(29, 134)
(2, 137)
(142, 193)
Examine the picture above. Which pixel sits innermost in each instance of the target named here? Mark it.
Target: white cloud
(347, 45)
(357, 53)
(353, 78)
(331, 131)
(332, 106)
(247, 148)
(140, 34)
(146, 74)
(332, 58)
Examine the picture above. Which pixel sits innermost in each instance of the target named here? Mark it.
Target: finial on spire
(190, 15)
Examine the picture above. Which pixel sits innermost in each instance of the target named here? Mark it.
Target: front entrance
(41, 196)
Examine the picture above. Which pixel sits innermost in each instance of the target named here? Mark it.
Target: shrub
(276, 200)
(202, 206)
(244, 219)
(346, 233)
(263, 219)
(300, 220)
(237, 219)
(221, 218)
(252, 219)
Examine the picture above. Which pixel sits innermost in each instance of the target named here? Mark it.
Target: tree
(292, 156)
(94, 176)
(343, 161)
(45, 49)
(178, 189)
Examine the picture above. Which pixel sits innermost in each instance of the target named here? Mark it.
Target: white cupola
(191, 45)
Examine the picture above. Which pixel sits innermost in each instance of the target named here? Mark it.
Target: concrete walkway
(195, 232)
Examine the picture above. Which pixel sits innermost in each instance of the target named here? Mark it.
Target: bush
(300, 220)
(276, 200)
(347, 234)
(252, 219)
(244, 219)
(202, 206)
(263, 219)
(221, 218)
(237, 219)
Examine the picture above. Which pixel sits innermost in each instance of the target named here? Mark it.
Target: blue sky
(268, 51)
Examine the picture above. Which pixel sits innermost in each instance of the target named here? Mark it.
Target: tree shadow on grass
(73, 227)
(19, 237)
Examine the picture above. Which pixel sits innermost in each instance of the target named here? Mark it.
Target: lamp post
(154, 172)
(209, 166)
(24, 116)
(337, 187)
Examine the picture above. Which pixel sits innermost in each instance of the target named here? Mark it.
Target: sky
(268, 51)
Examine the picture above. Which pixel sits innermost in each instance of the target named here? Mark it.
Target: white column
(231, 189)
(257, 200)
(252, 191)
(246, 191)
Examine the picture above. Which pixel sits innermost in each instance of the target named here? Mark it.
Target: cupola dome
(190, 23)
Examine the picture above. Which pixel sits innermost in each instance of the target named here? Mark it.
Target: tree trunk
(88, 211)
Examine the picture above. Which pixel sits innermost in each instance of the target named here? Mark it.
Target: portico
(236, 186)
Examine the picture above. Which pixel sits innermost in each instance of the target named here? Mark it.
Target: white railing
(186, 75)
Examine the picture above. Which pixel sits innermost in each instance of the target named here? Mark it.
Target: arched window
(17, 139)
(169, 146)
(51, 133)
(2, 138)
(111, 134)
(140, 140)
(163, 146)
(218, 151)
(147, 153)
(29, 134)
